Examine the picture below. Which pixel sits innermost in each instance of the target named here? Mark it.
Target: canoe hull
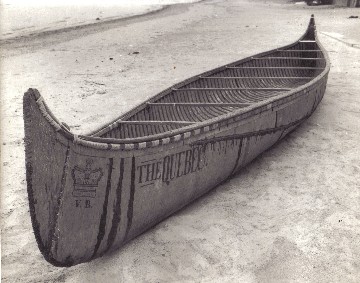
(87, 201)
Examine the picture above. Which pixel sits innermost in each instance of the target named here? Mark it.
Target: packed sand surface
(292, 215)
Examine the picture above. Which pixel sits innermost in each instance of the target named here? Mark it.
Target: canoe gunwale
(93, 141)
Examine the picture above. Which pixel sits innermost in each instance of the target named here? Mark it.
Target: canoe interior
(224, 90)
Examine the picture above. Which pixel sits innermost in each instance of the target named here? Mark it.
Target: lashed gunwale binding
(56, 160)
(93, 139)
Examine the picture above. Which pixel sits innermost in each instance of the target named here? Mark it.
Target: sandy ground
(292, 215)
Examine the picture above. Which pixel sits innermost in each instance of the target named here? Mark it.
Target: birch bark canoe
(90, 194)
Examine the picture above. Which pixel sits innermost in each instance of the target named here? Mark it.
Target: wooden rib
(132, 132)
(200, 104)
(230, 98)
(155, 122)
(203, 113)
(238, 88)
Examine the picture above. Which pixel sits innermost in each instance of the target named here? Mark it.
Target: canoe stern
(45, 171)
(72, 190)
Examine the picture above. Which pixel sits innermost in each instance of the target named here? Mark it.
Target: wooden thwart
(153, 122)
(200, 104)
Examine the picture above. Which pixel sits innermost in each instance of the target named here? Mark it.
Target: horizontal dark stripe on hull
(300, 68)
(260, 78)
(287, 58)
(299, 50)
(240, 88)
(251, 134)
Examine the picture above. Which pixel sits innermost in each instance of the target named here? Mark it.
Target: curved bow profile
(90, 194)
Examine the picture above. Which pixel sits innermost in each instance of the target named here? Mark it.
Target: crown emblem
(86, 180)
